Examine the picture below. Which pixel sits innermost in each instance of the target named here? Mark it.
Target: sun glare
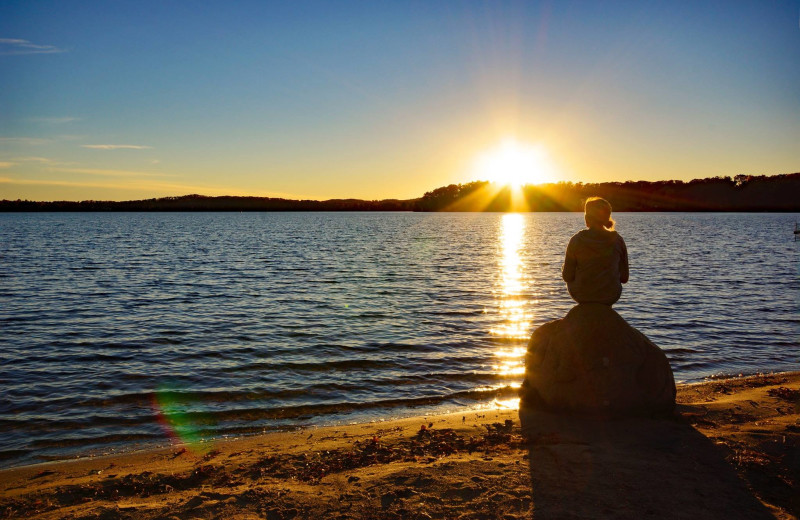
(514, 164)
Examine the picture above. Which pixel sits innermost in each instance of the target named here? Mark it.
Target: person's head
(597, 213)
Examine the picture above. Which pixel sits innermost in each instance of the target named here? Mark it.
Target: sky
(121, 100)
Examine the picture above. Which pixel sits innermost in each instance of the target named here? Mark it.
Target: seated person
(596, 263)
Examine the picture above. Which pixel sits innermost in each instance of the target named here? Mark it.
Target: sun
(515, 164)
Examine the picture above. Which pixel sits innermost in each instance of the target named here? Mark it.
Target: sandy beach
(732, 450)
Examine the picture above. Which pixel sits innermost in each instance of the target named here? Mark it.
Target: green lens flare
(174, 409)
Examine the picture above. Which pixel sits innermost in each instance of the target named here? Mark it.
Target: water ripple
(262, 321)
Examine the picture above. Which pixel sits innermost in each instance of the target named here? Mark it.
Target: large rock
(591, 361)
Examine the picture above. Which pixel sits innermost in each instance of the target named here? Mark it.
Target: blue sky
(121, 100)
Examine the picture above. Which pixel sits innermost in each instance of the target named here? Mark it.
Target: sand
(732, 450)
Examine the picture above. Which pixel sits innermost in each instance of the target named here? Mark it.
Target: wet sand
(732, 450)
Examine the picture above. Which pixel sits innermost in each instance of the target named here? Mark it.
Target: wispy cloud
(153, 187)
(15, 46)
(43, 160)
(5, 164)
(108, 172)
(53, 120)
(33, 161)
(33, 141)
(116, 146)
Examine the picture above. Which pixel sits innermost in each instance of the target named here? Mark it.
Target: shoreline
(341, 420)
(132, 446)
(441, 466)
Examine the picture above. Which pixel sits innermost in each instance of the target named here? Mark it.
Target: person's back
(596, 262)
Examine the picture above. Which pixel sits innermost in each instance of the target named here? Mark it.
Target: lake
(123, 330)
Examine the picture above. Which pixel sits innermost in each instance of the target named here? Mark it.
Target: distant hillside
(203, 203)
(739, 193)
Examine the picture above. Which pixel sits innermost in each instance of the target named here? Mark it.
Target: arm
(570, 263)
(623, 262)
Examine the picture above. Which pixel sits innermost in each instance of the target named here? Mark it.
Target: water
(120, 329)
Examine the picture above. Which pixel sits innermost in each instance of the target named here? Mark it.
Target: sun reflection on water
(514, 328)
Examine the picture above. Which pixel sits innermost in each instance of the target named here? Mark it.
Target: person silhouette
(596, 262)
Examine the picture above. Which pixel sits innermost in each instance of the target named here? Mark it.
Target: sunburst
(514, 164)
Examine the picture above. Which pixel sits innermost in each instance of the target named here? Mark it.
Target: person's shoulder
(578, 237)
(574, 242)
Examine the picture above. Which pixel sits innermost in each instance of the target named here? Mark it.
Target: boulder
(593, 362)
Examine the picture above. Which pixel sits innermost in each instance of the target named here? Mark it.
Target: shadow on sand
(630, 468)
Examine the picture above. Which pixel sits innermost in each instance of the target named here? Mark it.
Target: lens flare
(181, 425)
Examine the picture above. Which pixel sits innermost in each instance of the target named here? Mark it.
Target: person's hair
(598, 210)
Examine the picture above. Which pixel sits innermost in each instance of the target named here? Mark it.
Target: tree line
(738, 193)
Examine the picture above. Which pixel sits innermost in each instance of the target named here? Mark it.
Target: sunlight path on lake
(516, 322)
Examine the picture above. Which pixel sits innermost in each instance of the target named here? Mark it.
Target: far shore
(732, 450)
(740, 193)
